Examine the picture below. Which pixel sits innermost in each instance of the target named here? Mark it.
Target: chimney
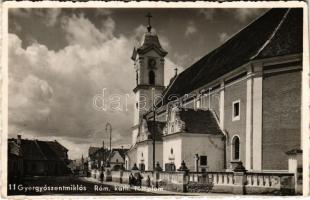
(19, 139)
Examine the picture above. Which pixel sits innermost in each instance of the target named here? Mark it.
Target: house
(240, 103)
(102, 157)
(39, 158)
(97, 157)
(116, 158)
(15, 162)
(78, 166)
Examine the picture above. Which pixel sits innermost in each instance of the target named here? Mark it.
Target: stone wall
(215, 182)
(242, 183)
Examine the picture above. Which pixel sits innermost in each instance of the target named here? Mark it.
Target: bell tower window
(151, 77)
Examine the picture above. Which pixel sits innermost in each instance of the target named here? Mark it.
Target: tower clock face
(152, 63)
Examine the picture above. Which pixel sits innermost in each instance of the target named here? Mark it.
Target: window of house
(151, 77)
(203, 160)
(235, 148)
(236, 110)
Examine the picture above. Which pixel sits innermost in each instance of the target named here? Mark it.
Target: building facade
(99, 158)
(239, 103)
(36, 158)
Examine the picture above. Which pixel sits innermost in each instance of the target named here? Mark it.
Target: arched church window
(236, 148)
(171, 151)
(151, 77)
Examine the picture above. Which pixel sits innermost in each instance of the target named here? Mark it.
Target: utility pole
(153, 127)
(108, 128)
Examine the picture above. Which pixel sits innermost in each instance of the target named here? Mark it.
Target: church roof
(159, 126)
(200, 121)
(158, 130)
(276, 33)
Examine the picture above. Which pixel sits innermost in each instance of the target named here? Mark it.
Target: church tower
(149, 60)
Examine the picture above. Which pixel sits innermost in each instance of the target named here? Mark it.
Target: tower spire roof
(150, 41)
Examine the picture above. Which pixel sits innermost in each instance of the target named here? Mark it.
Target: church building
(239, 103)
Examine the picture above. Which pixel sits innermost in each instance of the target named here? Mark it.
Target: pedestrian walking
(131, 179)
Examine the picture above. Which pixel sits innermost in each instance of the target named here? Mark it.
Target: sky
(61, 59)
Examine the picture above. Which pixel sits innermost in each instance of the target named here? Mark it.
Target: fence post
(295, 166)
(185, 175)
(121, 176)
(107, 173)
(240, 179)
(158, 169)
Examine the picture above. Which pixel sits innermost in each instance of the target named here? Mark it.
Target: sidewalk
(153, 191)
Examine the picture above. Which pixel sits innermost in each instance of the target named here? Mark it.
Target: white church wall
(172, 142)
(131, 158)
(134, 136)
(142, 154)
(158, 154)
(203, 145)
(145, 154)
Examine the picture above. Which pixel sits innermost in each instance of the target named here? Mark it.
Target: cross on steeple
(149, 27)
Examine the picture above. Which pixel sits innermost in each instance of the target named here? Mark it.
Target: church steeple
(149, 60)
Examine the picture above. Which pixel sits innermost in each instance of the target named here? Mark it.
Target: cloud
(190, 29)
(49, 16)
(15, 27)
(223, 37)
(52, 16)
(240, 14)
(207, 13)
(51, 92)
(103, 12)
(244, 14)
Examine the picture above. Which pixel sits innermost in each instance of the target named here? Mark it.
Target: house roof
(57, 147)
(92, 150)
(122, 152)
(41, 150)
(14, 149)
(200, 121)
(276, 33)
(99, 152)
(47, 150)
